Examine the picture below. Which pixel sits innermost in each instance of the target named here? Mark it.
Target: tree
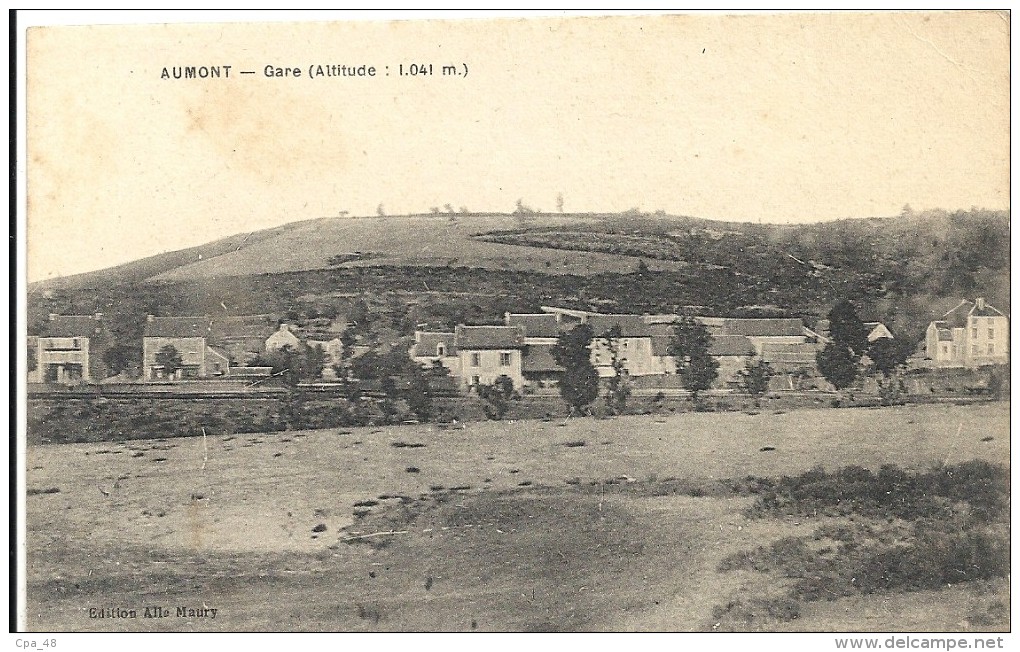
(838, 365)
(617, 387)
(388, 404)
(888, 358)
(559, 202)
(689, 346)
(419, 395)
(642, 267)
(170, 359)
(497, 397)
(889, 355)
(342, 368)
(580, 384)
(380, 211)
(754, 379)
(294, 364)
(839, 361)
(847, 328)
(119, 358)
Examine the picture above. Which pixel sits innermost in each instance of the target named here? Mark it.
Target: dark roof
(178, 327)
(539, 357)
(763, 327)
(957, 317)
(426, 343)
(987, 311)
(630, 325)
(253, 326)
(540, 325)
(72, 326)
(776, 352)
(720, 345)
(489, 337)
(730, 345)
(217, 350)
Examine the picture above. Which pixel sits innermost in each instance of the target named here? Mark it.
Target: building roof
(779, 353)
(178, 327)
(218, 351)
(958, 316)
(763, 327)
(721, 345)
(425, 344)
(630, 325)
(539, 358)
(239, 327)
(945, 334)
(489, 337)
(72, 326)
(730, 345)
(567, 312)
(536, 325)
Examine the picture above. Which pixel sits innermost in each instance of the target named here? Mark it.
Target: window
(76, 343)
(476, 360)
(440, 350)
(504, 359)
(475, 380)
(991, 349)
(945, 349)
(991, 333)
(973, 333)
(974, 350)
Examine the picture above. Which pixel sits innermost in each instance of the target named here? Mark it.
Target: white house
(970, 335)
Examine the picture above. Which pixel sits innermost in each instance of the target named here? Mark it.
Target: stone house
(190, 337)
(972, 334)
(67, 351)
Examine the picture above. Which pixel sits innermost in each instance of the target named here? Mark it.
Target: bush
(891, 493)
(739, 615)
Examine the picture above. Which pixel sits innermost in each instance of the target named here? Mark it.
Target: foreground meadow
(631, 523)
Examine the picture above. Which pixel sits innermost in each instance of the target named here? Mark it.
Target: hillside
(406, 240)
(905, 270)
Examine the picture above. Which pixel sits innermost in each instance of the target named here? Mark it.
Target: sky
(795, 117)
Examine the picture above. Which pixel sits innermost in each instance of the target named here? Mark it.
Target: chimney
(53, 316)
(98, 316)
(150, 318)
(980, 303)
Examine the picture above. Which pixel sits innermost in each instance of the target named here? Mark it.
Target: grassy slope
(546, 556)
(405, 240)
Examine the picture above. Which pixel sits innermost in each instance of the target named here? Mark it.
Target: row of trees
(689, 346)
(849, 355)
(843, 361)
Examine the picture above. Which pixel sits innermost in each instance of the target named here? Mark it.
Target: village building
(325, 337)
(189, 336)
(541, 332)
(242, 337)
(487, 352)
(972, 334)
(432, 349)
(283, 337)
(67, 352)
(474, 355)
(641, 345)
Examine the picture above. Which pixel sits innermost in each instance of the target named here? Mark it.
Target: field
(583, 524)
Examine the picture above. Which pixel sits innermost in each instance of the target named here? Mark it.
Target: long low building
(521, 349)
